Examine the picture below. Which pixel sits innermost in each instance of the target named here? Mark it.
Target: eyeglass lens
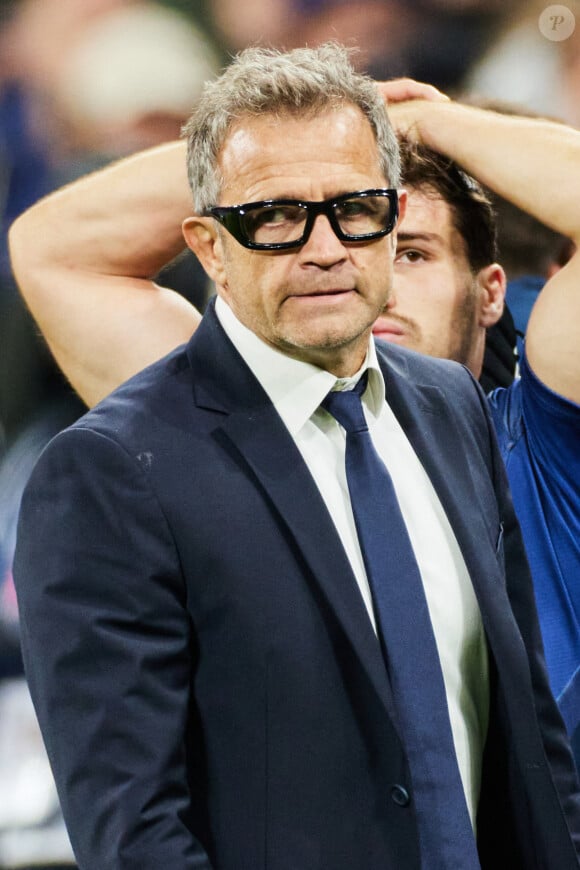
(278, 223)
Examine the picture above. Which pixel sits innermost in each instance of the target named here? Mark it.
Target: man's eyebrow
(403, 236)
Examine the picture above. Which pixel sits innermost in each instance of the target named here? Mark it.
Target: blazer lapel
(438, 443)
(439, 440)
(222, 382)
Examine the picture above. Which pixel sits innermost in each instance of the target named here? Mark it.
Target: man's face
(434, 307)
(318, 302)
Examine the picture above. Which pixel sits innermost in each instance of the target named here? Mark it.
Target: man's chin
(326, 331)
(324, 347)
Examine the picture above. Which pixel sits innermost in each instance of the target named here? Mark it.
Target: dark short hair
(472, 213)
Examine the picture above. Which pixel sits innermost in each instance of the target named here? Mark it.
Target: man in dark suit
(202, 631)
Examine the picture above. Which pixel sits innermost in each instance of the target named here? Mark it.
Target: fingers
(400, 90)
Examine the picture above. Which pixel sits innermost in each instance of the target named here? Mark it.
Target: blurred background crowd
(83, 82)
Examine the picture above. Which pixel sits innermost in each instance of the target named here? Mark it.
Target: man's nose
(323, 246)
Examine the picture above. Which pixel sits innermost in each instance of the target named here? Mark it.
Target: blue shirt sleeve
(539, 437)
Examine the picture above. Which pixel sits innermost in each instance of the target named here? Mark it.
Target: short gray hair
(267, 81)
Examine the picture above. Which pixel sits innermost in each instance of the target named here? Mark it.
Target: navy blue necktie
(408, 643)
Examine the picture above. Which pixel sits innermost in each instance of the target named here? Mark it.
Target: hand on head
(401, 90)
(403, 98)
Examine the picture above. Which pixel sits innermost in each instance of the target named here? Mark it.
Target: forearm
(123, 220)
(84, 259)
(534, 164)
(531, 162)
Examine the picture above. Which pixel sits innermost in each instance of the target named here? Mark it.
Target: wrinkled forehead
(292, 125)
(333, 152)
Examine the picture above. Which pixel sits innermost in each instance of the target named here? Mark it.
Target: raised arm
(536, 165)
(84, 259)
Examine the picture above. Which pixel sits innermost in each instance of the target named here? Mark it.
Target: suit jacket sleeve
(106, 644)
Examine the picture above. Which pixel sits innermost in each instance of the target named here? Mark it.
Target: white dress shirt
(296, 390)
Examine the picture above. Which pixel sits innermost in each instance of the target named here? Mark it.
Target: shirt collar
(296, 388)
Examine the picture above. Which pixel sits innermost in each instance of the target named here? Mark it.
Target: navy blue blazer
(208, 683)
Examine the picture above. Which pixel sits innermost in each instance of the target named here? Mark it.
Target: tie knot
(346, 407)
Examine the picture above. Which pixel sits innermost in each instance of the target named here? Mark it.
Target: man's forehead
(289, 128)
(303, 115)
(427, 196)
(430, 219)
(427, 214)
(337, 148)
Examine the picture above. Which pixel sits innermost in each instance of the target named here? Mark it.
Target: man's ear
(492, 282)
(202, 237)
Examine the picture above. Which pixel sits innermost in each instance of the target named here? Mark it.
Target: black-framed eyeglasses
(280, 224)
